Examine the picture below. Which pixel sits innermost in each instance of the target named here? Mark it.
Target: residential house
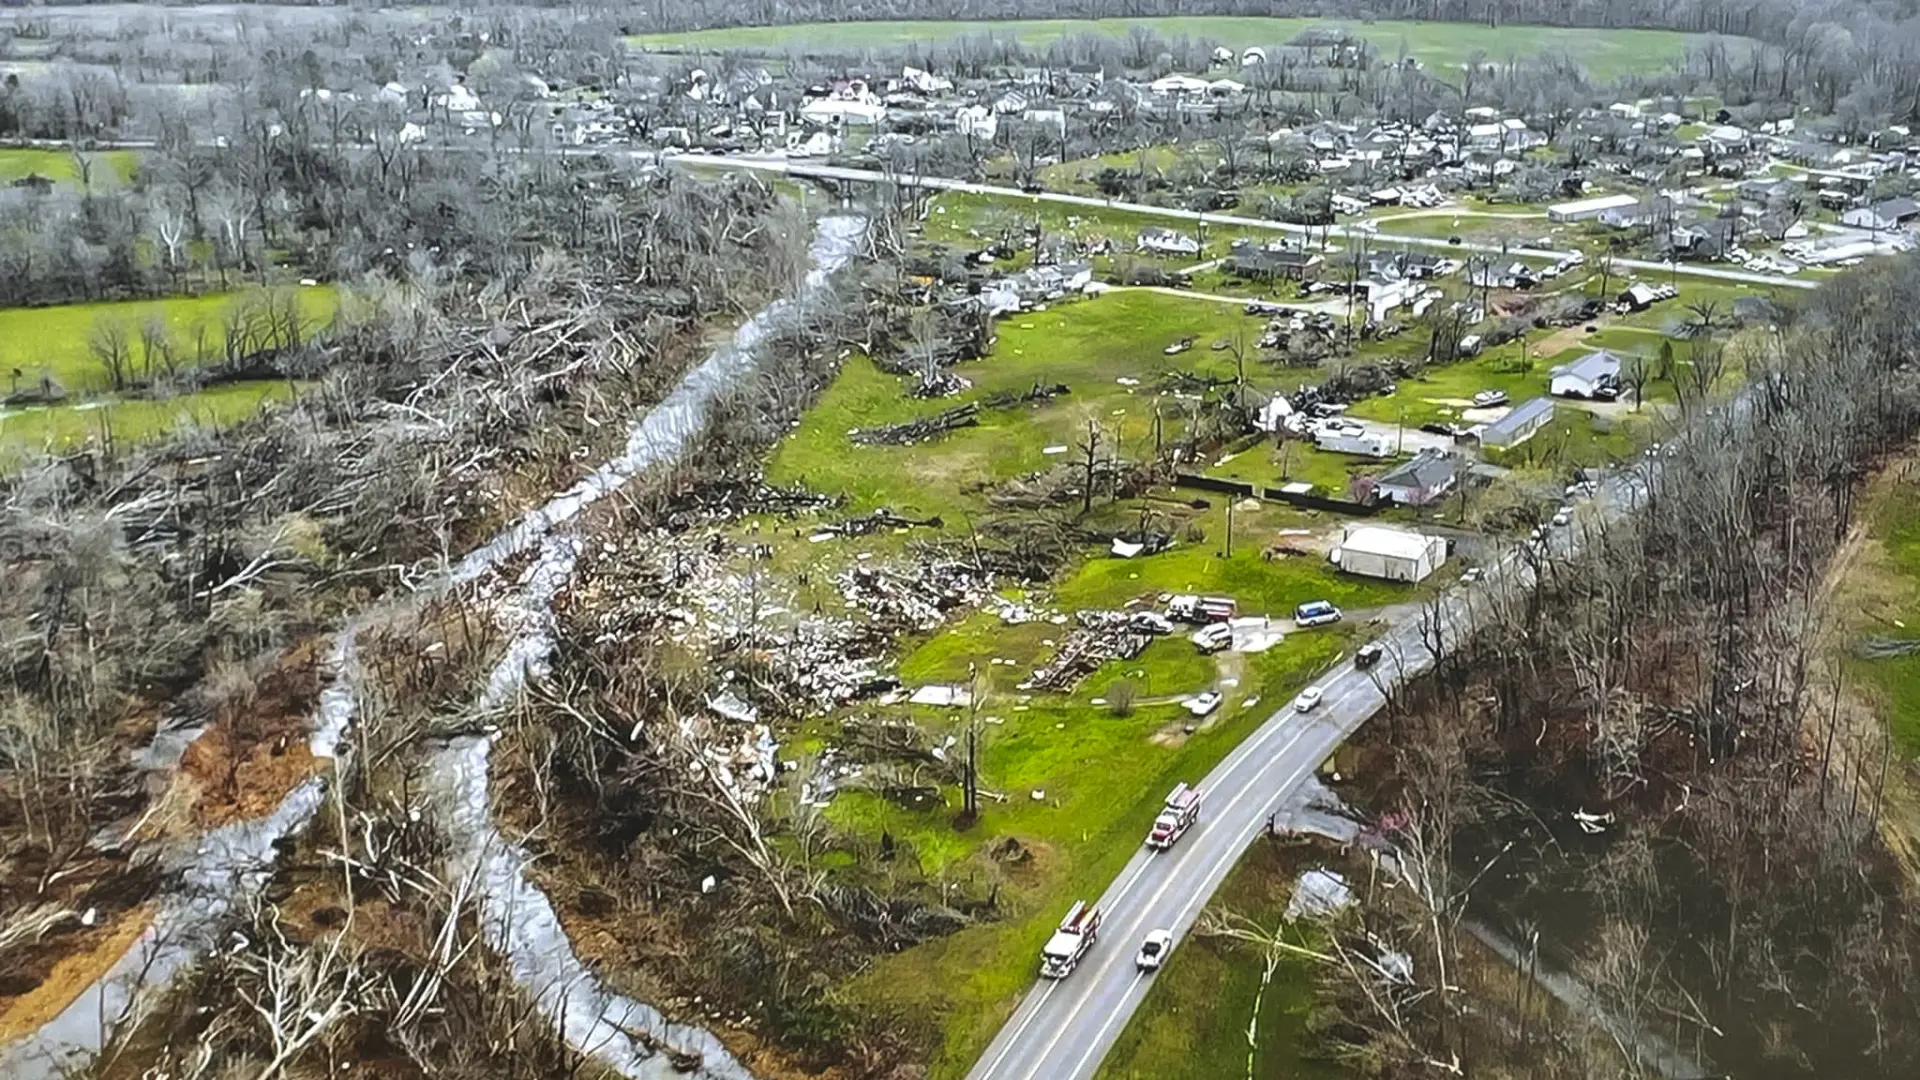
(1417, 481)
(1589, 209)
(1266, 264)
(1159, 240)
(1596, 374)
(1519, 425)
(1882, 216)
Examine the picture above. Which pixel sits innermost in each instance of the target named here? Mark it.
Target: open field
(57, 341)
(134, 420)
(53, 347)
(1445, 46)
(61, 167)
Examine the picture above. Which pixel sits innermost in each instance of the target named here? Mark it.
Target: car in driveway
(1213, 638)
(1202, 704)
(1315, 613)
(1153, 951)
(1308, 700)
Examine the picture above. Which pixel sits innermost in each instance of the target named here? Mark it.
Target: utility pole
(1229, 527)
(970, 796)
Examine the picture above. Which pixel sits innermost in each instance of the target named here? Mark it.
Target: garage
(1389, 554)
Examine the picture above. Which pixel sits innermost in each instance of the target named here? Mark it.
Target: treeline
(1669, 684)
(1764, 18)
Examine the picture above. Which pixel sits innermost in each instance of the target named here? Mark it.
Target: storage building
(1588, 209)
(1392, 554)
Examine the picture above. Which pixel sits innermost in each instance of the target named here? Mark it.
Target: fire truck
(1181, 811)
(1071, 941)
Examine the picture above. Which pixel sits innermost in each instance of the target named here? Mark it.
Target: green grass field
(26, 431)
(59, 166)
(1088, 345)
(57, 341)
(1445, 47)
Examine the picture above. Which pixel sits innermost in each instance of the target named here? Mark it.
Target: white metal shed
(1392, 554)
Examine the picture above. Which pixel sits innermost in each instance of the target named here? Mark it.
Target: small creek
(219, 872)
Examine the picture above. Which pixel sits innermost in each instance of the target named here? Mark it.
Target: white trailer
(1179, 814)
(1071, 941)
(1364, 443)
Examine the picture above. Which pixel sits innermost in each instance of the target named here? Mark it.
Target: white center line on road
(1227, 858)
(1234, 760)
(1094, 1045)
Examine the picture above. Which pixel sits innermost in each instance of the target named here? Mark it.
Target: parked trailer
(1179, 814)
(1071, 941)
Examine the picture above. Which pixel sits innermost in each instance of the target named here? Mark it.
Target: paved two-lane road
(1063, 1028)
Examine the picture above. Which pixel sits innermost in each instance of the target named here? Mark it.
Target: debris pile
(910, 432)
(1100, 637)
(713, 502)
(916, 599)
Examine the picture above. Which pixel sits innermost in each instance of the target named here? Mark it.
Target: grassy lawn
(1194, 1020)
(1444, 47)
(1087, 345)
(59, 166)
(1102, 778)
(134, 420)
(56, 341)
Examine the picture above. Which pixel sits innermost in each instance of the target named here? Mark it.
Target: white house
(1588, 209)
(1582, 378)
(1392, 554)
(1164, 241)
(1882, 216)
(1519, 425)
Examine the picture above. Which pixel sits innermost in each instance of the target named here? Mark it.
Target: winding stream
(228, 865)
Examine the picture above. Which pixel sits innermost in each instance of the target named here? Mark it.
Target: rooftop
(1392, 543)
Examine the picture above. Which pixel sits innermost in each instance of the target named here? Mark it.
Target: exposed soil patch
(255, 751)
(86, 956)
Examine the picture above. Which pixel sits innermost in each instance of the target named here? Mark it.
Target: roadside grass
(1102, 779)
(1580, 439)
(1194, 1020)
(56, 341)
(1443, 47)
(59, 427)
(59, 166)
(1881, 598)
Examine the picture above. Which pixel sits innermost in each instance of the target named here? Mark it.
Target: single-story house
(1886, 215)
(1588, 209)
(1519, 425)
(1392, 554)
(1417, 481)
(1596, 371)
(1164, 241)
(1291, 264)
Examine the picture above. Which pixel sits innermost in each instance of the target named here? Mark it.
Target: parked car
(1453, 240)
(1564, 515)
(1212, 639)
(1368, 655)
(1153, 951)
(1150, 622)
(1486, 399)
(1315, 613)
(1202, 704)
(1308, 699)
